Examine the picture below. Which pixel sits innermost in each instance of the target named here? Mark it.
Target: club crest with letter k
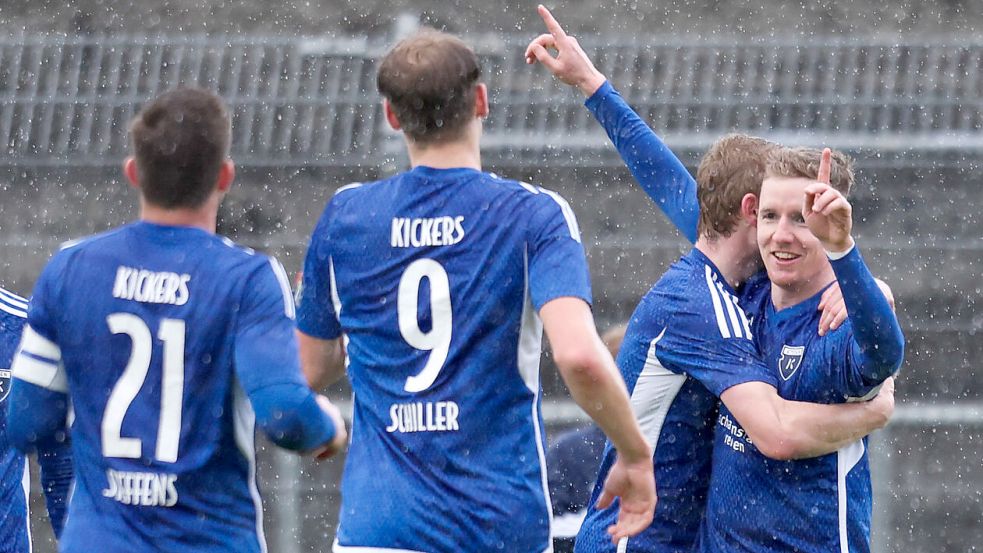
(790, 360)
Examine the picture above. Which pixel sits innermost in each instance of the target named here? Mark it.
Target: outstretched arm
(783, 429)
(660, 173)
(595, 384)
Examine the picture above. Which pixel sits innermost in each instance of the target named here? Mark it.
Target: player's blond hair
(804, 163)
(733, 167)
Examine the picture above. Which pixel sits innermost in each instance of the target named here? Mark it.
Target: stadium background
(898, 84)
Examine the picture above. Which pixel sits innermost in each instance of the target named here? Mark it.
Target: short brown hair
(733, 167)
(429, 80)
(180, 141)
(804, 162)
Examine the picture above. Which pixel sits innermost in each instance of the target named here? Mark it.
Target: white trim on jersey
(730, 302)
(13, 299)
(723, 300)
(348, 187)
(567, 213)
(568, 525)
(38, 361)
(25, 483)
(623, 545)
(654, 393)
(338, 548)
(289, 309)
(846, 459)
(13, 304)
(336, 303)
(717, 307)
(244, 428)
(529, 347)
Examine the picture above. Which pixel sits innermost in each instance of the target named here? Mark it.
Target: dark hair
(804, 163)
(180, 141)
(429, 80)
(733, 167)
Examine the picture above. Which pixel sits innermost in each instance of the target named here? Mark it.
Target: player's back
(13, 478)
(436, 281)
(145, 317)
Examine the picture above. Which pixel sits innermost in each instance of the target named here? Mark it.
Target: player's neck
(788, 295)
(204, 218)
(727, 253)
(448, 155)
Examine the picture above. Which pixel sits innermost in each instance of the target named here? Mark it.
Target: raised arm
(783, 429)
(660, 173)
(595, 384)
(878, 346)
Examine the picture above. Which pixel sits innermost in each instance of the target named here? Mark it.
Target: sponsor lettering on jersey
(151, 287)
(147, 489)
(790, 360)
(4, 383)
(736, 435)
(432, 231)
(430, 416)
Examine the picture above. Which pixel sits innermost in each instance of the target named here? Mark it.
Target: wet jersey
(56, 464)
(435, 277)
(757, 504)
(151, 330)
(687, 342)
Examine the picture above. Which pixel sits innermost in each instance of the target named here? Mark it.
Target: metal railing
(312, 101)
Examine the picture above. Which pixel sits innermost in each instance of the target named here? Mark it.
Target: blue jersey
(687, 341)
(844, 364)
(56, 466)
(14, 480)
(757, 504)
(153, 331)
(435, 277)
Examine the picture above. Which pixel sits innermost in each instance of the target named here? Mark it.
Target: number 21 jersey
(435, 278)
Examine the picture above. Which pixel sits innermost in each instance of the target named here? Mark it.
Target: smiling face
(794, 258)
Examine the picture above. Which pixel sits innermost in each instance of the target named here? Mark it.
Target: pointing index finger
(551, 23)
(825, 165)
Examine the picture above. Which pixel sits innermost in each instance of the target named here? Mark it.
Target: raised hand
(634, 485)
(827, 212)
(571, 64)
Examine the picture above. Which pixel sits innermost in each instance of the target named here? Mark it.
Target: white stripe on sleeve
(717, 307)
(38, 361)
(288, 298)
(567, 213)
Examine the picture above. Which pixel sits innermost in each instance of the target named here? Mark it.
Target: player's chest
(797, 361)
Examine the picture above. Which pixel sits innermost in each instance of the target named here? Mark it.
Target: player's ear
(749, 209)
(226, 174)
(130, 170)
(390, 115)
(481, 107)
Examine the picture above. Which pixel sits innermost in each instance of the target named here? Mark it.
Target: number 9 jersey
(435, 278)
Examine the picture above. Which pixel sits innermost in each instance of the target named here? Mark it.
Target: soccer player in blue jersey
(689, 336)
(439, 282)
(804, 228)
(55, 463)
(172, 344)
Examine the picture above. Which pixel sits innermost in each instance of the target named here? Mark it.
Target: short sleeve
(557, 264)
(317, 314)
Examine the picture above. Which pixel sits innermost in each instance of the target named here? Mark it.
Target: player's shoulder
(13, 308)
(699, 301)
